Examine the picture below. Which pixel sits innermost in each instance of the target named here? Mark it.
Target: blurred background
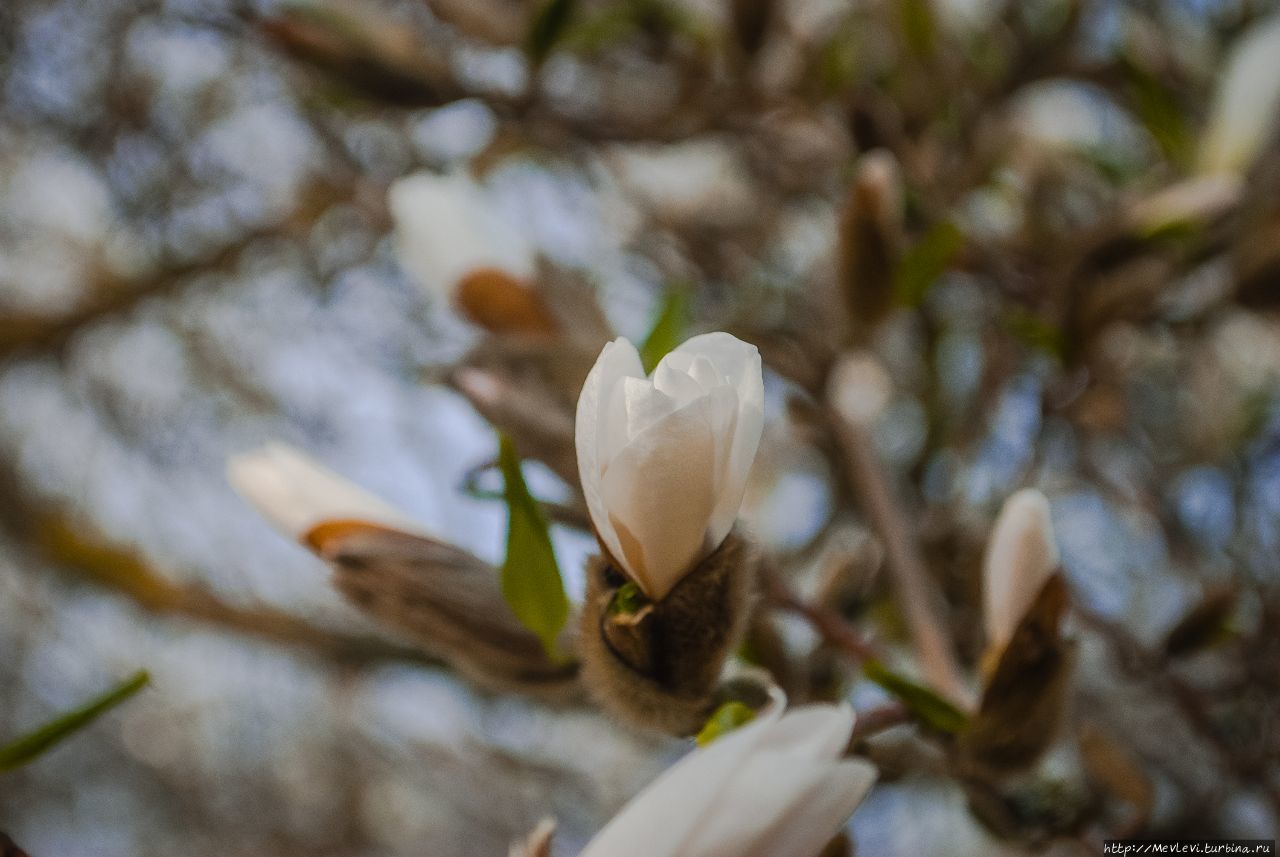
(1054, 226)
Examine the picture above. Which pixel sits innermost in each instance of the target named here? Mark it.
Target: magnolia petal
(820, 815)
(296, 493)
(661, 489)
(445, 229)
(1021, 557)
(617, 361)
(1247, 101)
(788, 770)
(658, 821)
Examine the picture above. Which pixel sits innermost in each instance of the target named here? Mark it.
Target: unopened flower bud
(455, 246)
(384, 563)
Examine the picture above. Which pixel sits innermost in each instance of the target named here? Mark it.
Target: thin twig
(918, 600)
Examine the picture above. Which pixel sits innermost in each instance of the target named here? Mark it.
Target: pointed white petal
(1021, 557)
(1247, 101)
(660, 494)
(665, 815)
(617, 361)
(296, 493)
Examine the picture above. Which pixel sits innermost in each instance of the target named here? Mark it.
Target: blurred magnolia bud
(537, 843)
(438, 595)
(871, 239)
(656, 665)
(664, 460)
(454, 244)
(777, 787)
(859, 387)
(1021, 556)
(296, 493)
(1025, 699)
(1247, 103)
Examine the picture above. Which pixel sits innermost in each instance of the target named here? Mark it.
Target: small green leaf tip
(531, 581)
(32, 745)
(728, 717)
(628, 600)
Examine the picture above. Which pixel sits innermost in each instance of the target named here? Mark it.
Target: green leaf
(549, 27)
(925, 261)
(726, 718)
(33, 744)
(668, 328)
(628, 600)
(531, 580)
(1036, 331)
(933, 711)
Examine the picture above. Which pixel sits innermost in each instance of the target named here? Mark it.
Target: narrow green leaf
(548, 27)
(933, 711)
(726, 718)
(531, 580)
(668, 328)
(925, 261)
(33, 744)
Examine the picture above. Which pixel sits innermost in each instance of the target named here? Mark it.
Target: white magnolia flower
(1247, 103)
(1021, 557)
(296, 493)
(664, 460)
(777, 787)
(446, 230)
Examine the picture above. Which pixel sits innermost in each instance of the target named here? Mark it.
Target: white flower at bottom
(777, 787)
(297, 493)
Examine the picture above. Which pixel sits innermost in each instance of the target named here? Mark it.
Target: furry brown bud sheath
(657, 664)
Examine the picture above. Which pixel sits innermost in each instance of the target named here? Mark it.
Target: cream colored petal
(660, 493)
(296, 493)
(1021, 557)
(445, 229)
(618, 360)
(665, 815)
(1247, 101)
(790, 769)
(815, 819)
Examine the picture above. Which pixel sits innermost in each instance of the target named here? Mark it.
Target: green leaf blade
(549, 26)
(32, 745)
(668, 328)
(926, 261)
(531, 582)
(727, 717)
(933, 711)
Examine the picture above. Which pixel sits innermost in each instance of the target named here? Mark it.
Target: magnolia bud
(1247, 102)
(1021, 556)
(656, 664)
(452, 242)
(871, 239)
(1026, 696)
(383, 562)
(450, 602)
